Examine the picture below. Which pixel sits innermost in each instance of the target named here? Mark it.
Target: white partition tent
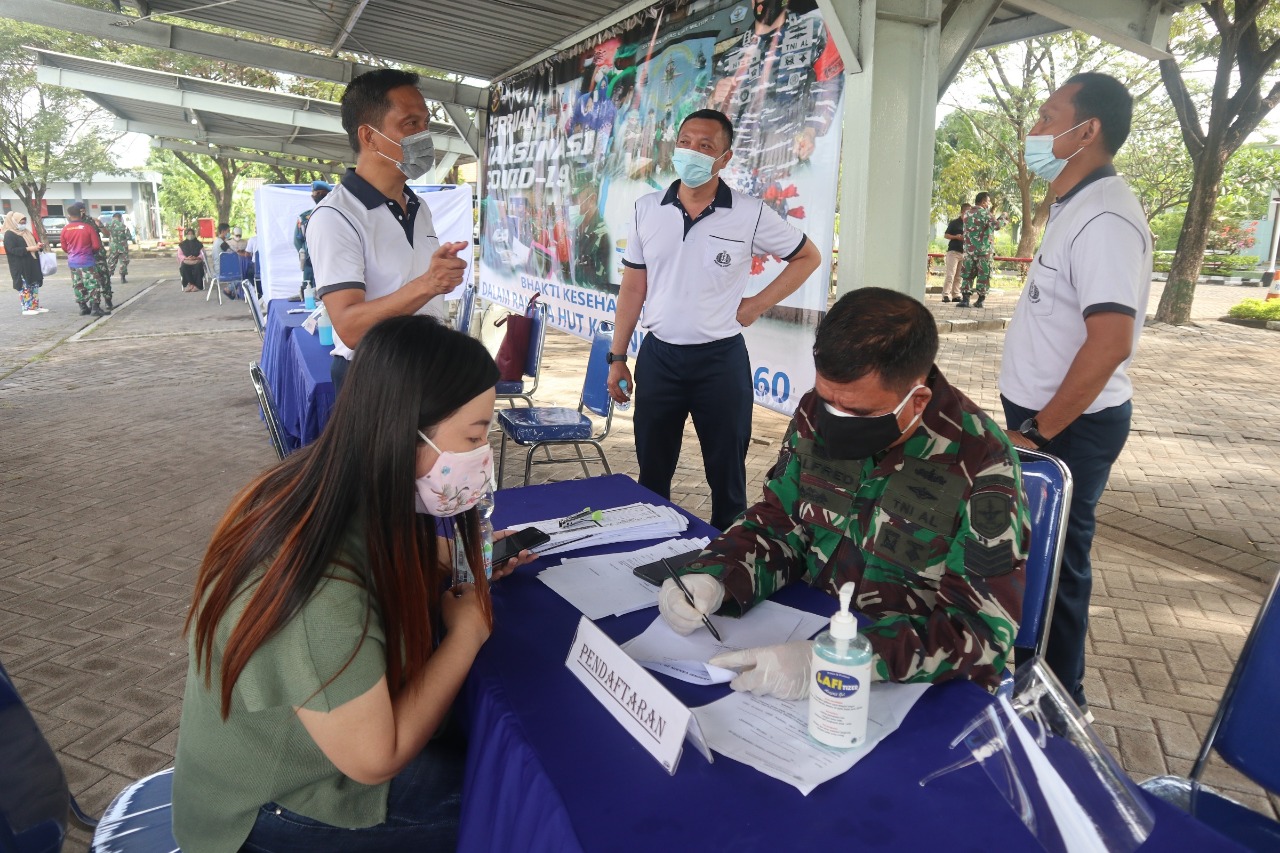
(279, 205)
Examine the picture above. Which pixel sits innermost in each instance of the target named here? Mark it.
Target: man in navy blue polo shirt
(686, 265)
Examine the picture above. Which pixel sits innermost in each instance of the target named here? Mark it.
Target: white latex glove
(781, 671)
(707, 592)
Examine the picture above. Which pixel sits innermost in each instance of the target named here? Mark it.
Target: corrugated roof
(479, 38)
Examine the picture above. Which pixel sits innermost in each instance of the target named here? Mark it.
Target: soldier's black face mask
(849, 436)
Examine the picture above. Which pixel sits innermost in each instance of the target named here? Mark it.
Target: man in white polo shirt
(686, 264)
(1063, 378)
(371, 240)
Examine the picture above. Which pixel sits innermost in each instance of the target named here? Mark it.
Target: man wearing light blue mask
(687, 264)
(371, 241)
(1063, 379)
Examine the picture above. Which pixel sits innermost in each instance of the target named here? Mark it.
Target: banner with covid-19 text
(573, 143)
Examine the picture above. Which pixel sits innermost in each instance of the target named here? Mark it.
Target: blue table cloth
(296, 365)
(549, 770)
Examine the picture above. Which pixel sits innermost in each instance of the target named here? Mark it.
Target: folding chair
(1048, 486)
(256, 310)
(548, 426)
(232, 269)
(34, 798)
(466, 310)
(515, 389)
(1245, 734)
(269, 412)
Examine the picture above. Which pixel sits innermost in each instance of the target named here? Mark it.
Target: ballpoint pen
(581, 519)
(689, 598)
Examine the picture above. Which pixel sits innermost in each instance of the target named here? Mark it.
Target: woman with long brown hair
(326, 645)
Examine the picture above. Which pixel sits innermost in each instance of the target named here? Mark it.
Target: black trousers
(338, 373)
(1089, 446)
(192, 274)
(711, 382)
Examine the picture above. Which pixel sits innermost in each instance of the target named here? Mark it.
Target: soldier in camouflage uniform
(101, 268)
(592, 245)
(780, 84)
(980, 229)
(919, 506)
(118, 257)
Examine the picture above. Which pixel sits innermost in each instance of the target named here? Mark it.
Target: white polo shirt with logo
(360, 239)
(1095, 257)
(697, 269)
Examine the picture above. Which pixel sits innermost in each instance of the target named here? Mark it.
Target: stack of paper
(772, 735)
(662, 650)
(604, 586)
(631, 523)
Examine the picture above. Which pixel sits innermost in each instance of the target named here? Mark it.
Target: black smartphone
(656, 573)
(522, 540)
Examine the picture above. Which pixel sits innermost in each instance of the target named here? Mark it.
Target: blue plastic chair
(1046, 480)
(232, 270)
(1245, 733)
(139, 819)
(515, 389)
(548, 426)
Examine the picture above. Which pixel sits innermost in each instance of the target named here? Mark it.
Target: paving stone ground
(125, 440)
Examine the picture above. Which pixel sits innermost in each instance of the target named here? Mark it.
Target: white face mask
(456, 481)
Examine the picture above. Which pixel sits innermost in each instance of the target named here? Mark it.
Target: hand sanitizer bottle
(324, 328)
(841, 685)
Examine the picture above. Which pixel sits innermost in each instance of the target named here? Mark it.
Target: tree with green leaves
(1241, 41)
(47, 133)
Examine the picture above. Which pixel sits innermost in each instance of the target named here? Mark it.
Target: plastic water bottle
(622, 407)
(324, 327)
(839, 693)
(485, 509)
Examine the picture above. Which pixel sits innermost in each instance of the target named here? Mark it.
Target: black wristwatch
(610, 358)
(1031, 431)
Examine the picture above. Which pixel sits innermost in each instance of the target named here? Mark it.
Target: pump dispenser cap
(843, 625)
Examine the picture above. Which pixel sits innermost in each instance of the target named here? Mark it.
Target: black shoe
(963, 303)
(98, 312)
(110, 307)
(84, 309)
(123, 278)
(946, 299)
(981, 299)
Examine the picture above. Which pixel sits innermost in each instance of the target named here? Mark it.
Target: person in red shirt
(81, 242)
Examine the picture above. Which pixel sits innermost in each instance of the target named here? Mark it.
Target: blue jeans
(712, 383)
(423, 805)
(1088, 446)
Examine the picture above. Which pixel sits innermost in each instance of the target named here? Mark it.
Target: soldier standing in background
(890, 478)
(319, 190)
(118, 257)
(101, 267)
(980, 229)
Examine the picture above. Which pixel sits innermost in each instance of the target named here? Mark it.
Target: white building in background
(136, 196)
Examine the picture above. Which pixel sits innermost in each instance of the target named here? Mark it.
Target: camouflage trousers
(975, 267)
(86, 285)
(118, 260)
(102, 269)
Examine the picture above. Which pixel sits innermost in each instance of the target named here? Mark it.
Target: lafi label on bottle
(838, 685)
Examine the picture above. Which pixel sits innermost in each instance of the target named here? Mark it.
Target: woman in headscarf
(23, 251)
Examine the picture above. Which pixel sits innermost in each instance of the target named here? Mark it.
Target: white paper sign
(647, 710)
